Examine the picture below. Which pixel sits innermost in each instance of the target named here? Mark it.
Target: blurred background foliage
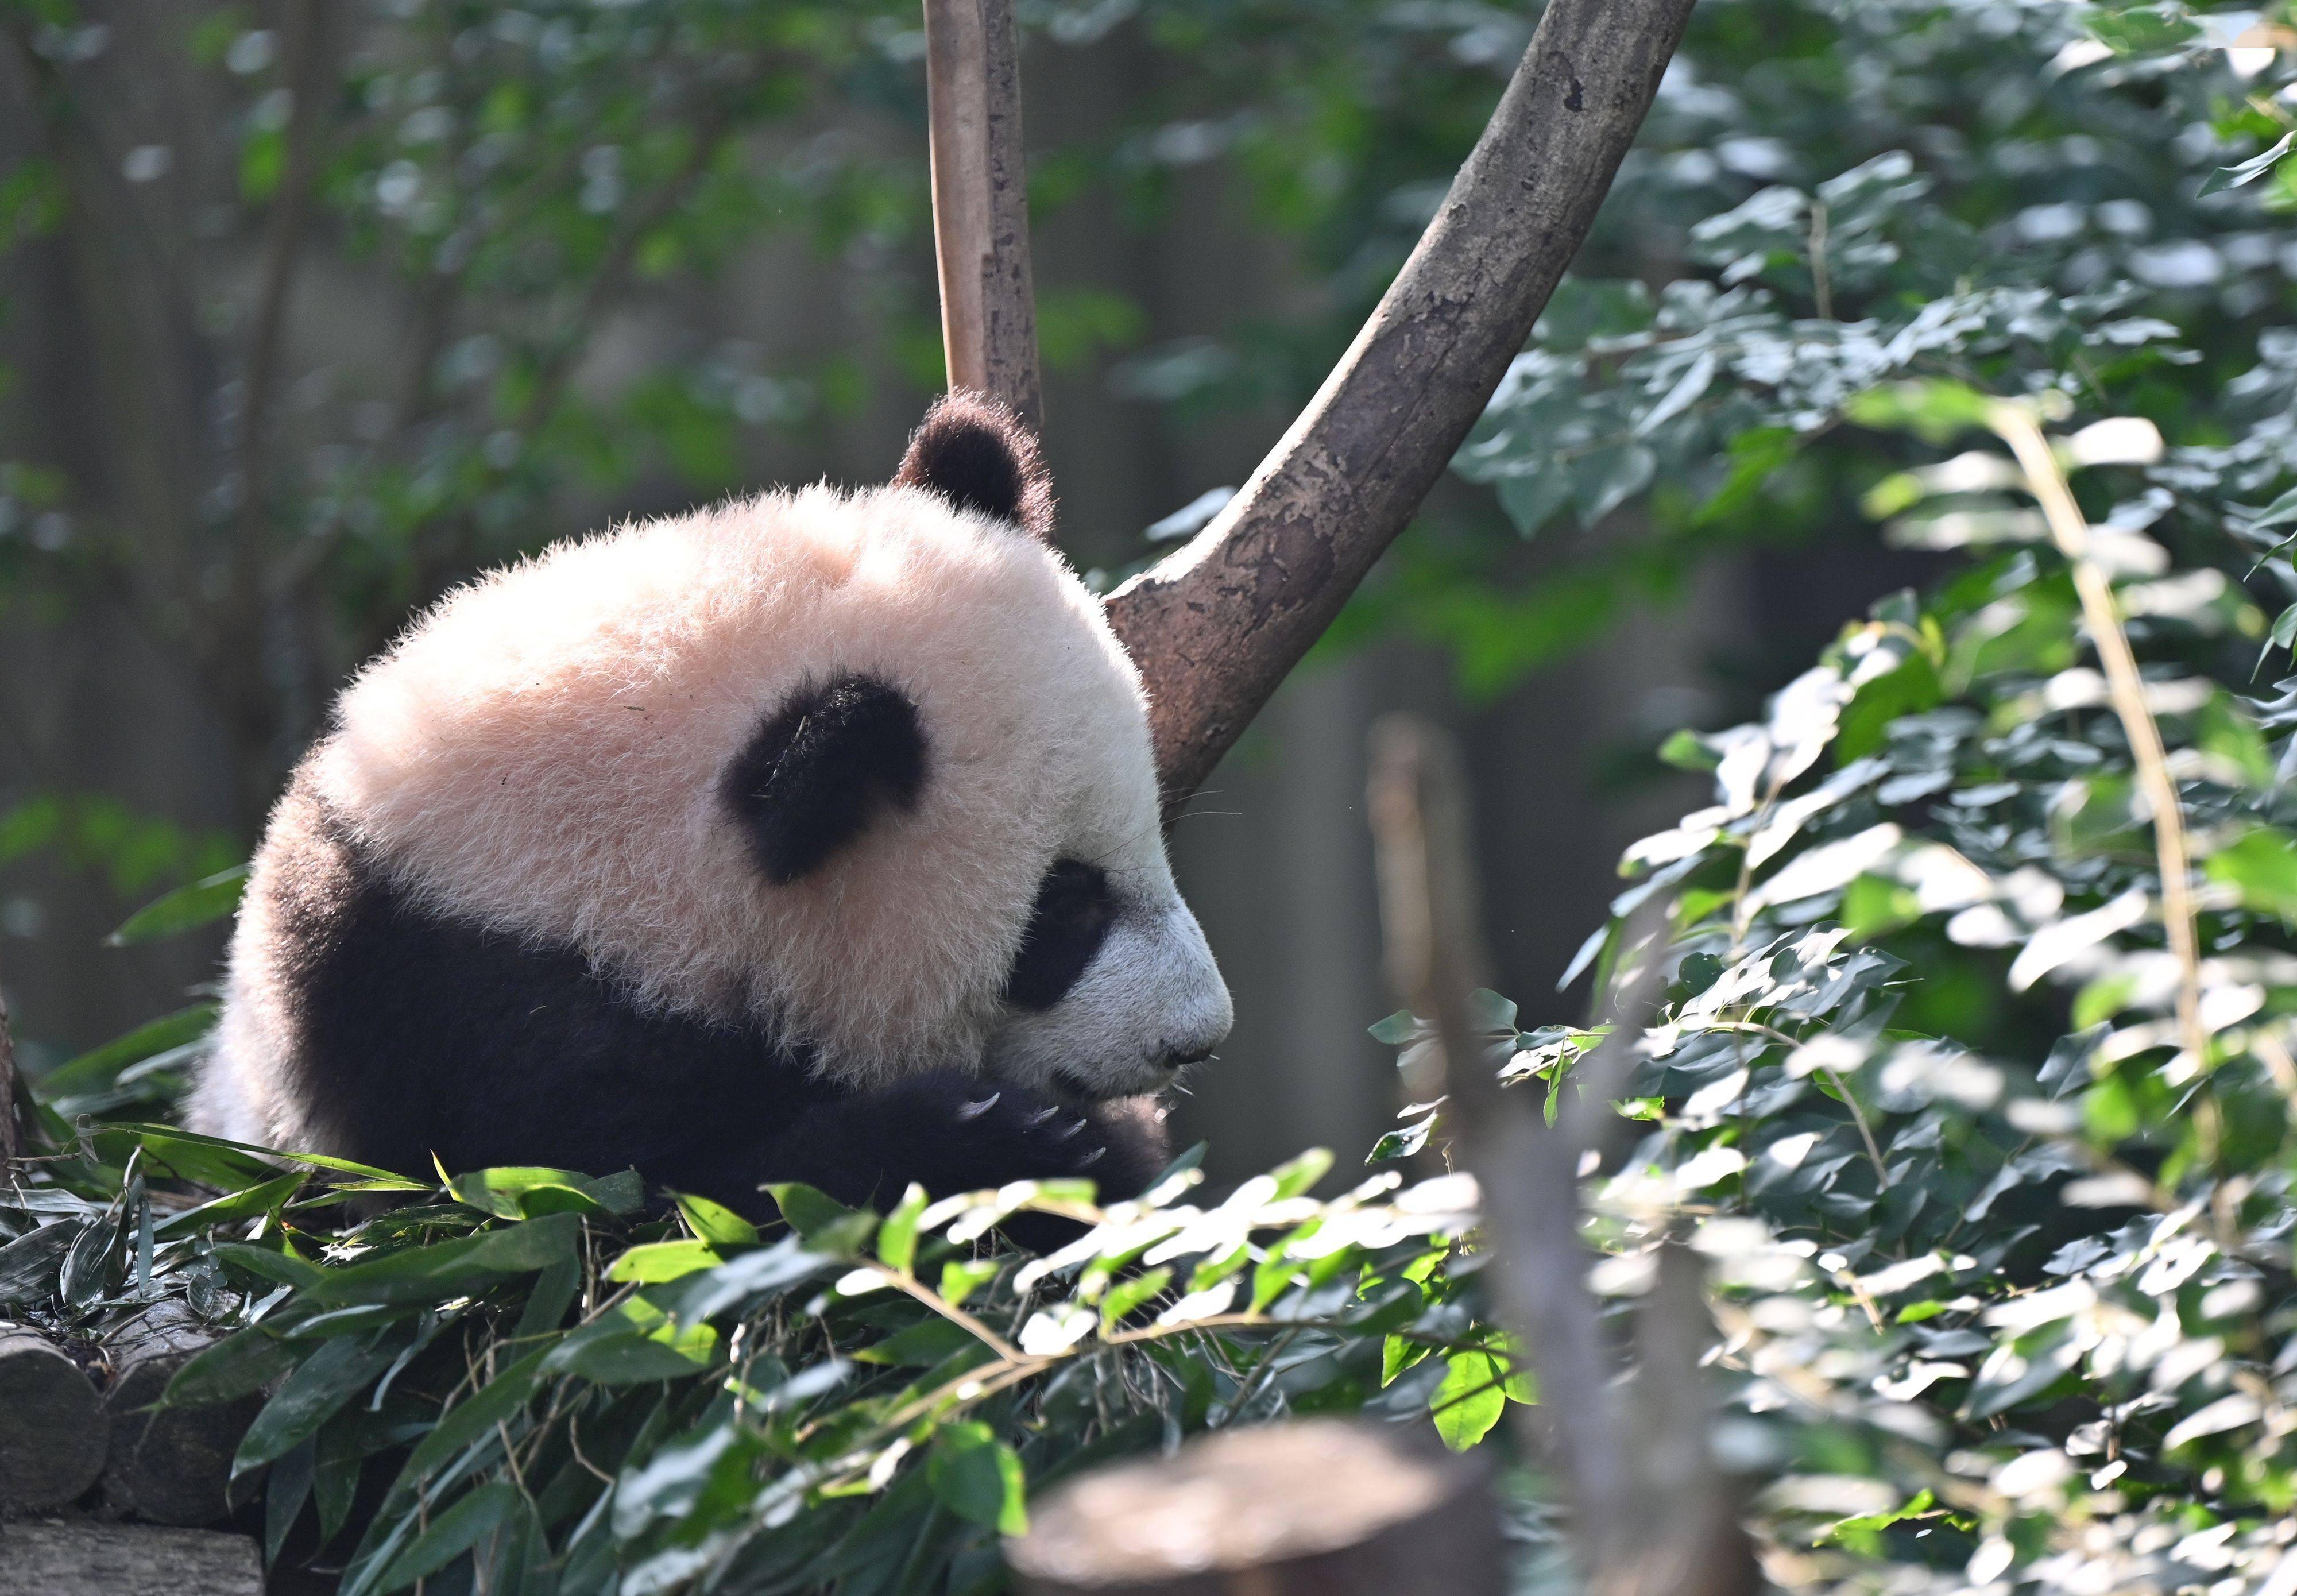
(312, 310)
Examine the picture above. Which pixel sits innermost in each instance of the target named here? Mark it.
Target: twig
(2070, 529)
(1822, 290)
(909, 1285)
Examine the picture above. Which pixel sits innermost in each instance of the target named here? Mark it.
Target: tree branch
(1215, 627)
(981, 202)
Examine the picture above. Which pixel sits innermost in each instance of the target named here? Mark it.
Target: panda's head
(867, 769)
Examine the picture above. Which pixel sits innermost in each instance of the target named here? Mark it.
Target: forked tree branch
(1215, 627)
(981, 202)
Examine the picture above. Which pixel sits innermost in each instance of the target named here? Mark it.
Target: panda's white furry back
(812, 837)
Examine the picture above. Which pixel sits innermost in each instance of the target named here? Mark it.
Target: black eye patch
(821, 768)
(1065, 929)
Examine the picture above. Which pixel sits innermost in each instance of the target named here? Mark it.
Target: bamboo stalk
(2070, 531)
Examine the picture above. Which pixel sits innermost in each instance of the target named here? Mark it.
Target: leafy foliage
(1830, 194)
(2001, 1225)
(532, 1379)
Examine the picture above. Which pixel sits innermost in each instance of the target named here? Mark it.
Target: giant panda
(811, 837)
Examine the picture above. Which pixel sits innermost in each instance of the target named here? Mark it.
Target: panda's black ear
(821, 768)
(979, 456)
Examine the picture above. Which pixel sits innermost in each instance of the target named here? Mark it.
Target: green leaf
(162, 1140)
(553, 1293)
(715, 1224)
(2262, 867)
(664, 1261)
(425, 1274)
(449, 1535)
(1606, 477)
(28, 1264)
(269, 1264)
(922, 1345)
(2281, 511)
(1395, 1030)
(978, 1478)
(465, 1423)
(1299, 1175)
(634, 1357)
(268, 1197)
(96, 1068)
(306, 1398)
(1129, 1294)
(897, 1237)
(2247, 171)
(1470, 1400)
(186, 908)
(961, 1278)
(1396, 1354)
(243, 1362)
(1686, 750)
(1936, 410)
(2284, 628)
(828, 1226)
(524, 1193)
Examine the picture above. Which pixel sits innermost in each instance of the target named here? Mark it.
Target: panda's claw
(1072, 1132)
(975, 1110)
(1043, 1116)
(1091, 1158)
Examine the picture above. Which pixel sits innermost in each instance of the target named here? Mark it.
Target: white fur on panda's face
(1115, 991)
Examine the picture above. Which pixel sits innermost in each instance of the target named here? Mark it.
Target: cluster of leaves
(2091, 199)
(533, 1380)
(2001, 1184)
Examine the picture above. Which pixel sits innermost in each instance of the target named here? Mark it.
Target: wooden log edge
(126, 1560)
(1315, 1507)
(52, 1427)
(168, 1465)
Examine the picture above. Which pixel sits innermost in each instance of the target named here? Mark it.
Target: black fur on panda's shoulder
(820, 768)
(979, 456)
(413, 1035)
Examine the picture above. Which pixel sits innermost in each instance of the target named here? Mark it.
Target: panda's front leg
(950, 1133)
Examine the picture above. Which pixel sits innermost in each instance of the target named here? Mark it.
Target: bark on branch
(981, 202)
(1215, 627)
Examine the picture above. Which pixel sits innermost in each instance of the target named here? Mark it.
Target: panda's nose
(1174, 1055)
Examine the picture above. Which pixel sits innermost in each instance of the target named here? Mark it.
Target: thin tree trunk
(981, 202)
(12, 1132)
(1654, 1515)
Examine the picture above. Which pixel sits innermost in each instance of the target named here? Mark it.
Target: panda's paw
(999, 1134)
